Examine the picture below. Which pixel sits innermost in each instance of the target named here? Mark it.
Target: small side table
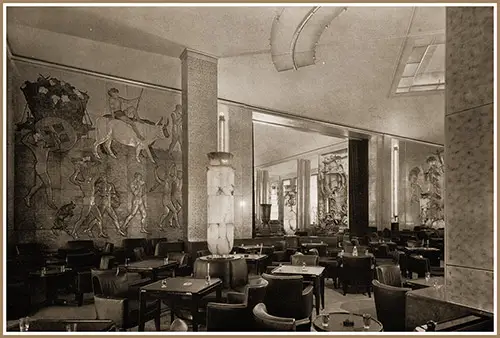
(336, 323)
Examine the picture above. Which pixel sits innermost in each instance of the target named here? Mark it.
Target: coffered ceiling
(357, 57)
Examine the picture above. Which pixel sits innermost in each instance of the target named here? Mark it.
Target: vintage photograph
(249, 167)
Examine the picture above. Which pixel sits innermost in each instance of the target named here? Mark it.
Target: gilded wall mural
(333, 191)
(87, 155)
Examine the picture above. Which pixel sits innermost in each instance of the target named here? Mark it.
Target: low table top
(150, 264)
(336, 323)
(314, 244)
(253, 257)
(185, 285)
(421, 248)
(56, 325)
(437, 280)
(52, 272)
(299, 270)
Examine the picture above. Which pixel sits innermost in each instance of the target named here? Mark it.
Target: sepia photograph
(249, 167)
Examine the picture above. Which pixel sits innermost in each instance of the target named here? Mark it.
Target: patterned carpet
(335, 301)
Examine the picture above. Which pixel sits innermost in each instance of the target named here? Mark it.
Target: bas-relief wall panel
(333, 189)
(68, 183)
(421, 188)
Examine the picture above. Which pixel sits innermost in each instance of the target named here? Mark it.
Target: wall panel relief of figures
(425, 204)
(94, 158)
(333, 191)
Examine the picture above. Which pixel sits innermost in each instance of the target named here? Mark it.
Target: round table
(336, 323)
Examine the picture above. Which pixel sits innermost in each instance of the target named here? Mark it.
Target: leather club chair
(390, 303)
(165, 249)
(357, 272)
(202, 253)
(266, 322)
(81, 265)
(236, 314)
(389, 275)
(279, 254)
(140, 254)
(286, 297)
(108, 248)
(152, 242)
(311, 260)
(116, 297)
(107, 262)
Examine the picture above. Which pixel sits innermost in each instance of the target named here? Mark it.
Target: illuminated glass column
(220, 190)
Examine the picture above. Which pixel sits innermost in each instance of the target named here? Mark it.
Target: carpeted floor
(335, 301)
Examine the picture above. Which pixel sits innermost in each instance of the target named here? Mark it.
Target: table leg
(322, 282)
(154, 276)
(317, 292)
(194, 312)
(218, 294)
(172, 309)
(142, 309)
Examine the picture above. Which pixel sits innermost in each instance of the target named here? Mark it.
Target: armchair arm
(307, 301)
(236, 298)
(113, 308)
(134, 287)
(271, 323)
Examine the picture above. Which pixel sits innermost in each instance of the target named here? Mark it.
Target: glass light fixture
(220, 191)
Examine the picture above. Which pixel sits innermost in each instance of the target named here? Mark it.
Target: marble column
(469, 157)
(303, 193)
(199, 128)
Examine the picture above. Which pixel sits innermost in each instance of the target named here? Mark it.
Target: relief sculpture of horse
(109, 130)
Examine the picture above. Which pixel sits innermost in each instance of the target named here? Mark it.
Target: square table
(314, 272)
(194, 288)
(57, 325)
(153, 266)
(336, 323)
(53, 279)
(420, 283)
(255, 259)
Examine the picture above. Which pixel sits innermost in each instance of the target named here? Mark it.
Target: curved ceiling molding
(295, 34)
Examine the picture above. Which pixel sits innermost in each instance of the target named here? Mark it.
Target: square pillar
(469, 157)
(199, 128)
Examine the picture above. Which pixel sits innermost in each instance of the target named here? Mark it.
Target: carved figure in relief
(108, 201)
(41, 144)
(137, 186)
(176, 128)
(124, 109)
(63, 215)
(109, 129)
(85, 177)
(171, 196)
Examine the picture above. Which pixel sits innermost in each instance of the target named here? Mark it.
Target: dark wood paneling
(358, 187)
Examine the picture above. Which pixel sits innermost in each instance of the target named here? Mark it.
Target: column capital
(197, 54)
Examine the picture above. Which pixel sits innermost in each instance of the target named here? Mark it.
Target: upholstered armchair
(357, 272)
(389, 275)
(116, 297)
(308, 259)
(236, 314)
(266, 322)
(390, 303)
(286, 297)
(81, 265)
(279, 254)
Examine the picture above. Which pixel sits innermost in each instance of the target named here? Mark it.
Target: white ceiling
(273, 144)
(357, 57)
